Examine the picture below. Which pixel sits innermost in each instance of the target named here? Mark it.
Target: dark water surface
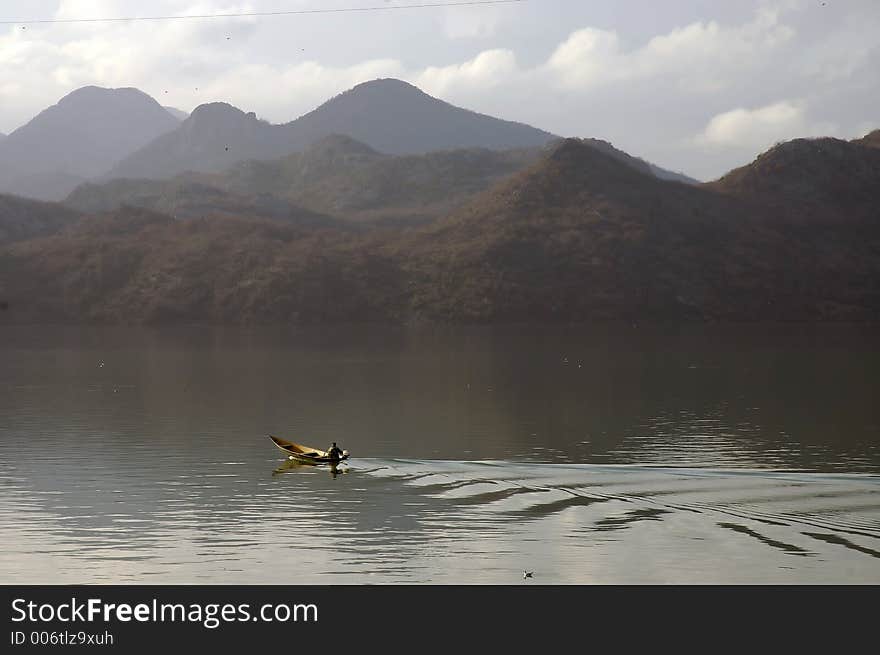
(602, 454)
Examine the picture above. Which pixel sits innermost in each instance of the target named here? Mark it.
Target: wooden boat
(306, 454)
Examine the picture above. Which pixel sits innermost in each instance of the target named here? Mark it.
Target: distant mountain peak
(395, 117)
(81, 136)
(383, 92)
(92, 93)
(386, 84)
(385, 116)
(211, 110)
(220, 123)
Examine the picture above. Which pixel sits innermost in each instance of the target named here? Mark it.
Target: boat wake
(415, 521)
(830, 518)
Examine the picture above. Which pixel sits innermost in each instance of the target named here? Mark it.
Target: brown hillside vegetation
(337, 176)
(344, 177)
(872, 139)
(21, 218)
(188, 196)
(821, 180)
(582, 236)
(136, 266)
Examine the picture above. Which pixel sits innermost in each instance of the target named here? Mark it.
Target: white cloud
(487, 69)
(761, 127)
(699, 55)
(589, 56)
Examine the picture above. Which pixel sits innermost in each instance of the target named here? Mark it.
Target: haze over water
(607, 454)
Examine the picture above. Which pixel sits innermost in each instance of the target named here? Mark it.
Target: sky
(696, 86)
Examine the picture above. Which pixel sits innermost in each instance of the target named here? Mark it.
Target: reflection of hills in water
(716, 396)
(443, 522)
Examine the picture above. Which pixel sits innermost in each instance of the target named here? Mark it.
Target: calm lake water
(610, 454)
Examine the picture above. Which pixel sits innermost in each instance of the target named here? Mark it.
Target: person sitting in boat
(334, 452)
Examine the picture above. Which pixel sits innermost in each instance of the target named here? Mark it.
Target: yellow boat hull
(306, 454)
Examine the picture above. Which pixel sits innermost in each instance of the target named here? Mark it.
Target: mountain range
(390, 116)
(336, 175)
(580, 237)
(96, 134)
(575, 233)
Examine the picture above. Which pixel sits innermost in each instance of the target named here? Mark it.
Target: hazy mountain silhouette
(93, 130)
(212, 138)
(80, 137)
(390, 116)
(2, 136)
(395, 117)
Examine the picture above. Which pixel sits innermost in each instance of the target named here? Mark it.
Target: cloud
(178, 56)
(487, 69)
(589, 56)
(761, 127)
(699, 55)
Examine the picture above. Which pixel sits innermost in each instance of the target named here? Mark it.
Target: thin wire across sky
(258, 14)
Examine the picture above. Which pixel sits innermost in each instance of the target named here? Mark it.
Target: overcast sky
(697, 86)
